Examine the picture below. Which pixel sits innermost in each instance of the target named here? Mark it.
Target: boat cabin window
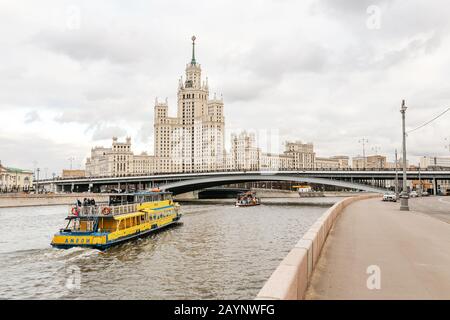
(121, 200)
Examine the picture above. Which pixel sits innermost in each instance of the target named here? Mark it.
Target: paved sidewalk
(411, 249)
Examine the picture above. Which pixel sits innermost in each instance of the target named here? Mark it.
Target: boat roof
(247, 193)
(141, 193)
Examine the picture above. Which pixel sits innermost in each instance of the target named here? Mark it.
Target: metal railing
(102, 210)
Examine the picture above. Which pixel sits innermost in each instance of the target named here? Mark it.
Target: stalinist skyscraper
(193, 141)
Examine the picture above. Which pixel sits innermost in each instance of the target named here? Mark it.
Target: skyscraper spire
(193, 50)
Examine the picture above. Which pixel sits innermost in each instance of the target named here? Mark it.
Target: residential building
(302, 154)
(73, 173)
(343, 161)
(326, 163)
(369, 162)
(118, 161)
(15, 179)
(245, 155)
(434, 162)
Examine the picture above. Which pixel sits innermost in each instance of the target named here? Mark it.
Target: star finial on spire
(193, 50)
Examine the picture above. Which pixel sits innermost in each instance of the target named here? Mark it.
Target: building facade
(15, 179)
(344, 161)
(434, 162)
(245, 155)
(326, 163)
(193, 141)
(73, 173)
(118, 161)
(369, 162)
(302, 154)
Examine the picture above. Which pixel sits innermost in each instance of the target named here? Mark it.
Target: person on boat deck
(78, 203)
(85, 206)
(93, 201)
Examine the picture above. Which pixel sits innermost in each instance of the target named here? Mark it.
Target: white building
(118, 161)
(343, 161)
(193, 141)
(246, 155)
(15, 179)
(426, 162)
(326, 163)
(302, 153)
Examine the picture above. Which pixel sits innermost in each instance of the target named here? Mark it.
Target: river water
(217, 252)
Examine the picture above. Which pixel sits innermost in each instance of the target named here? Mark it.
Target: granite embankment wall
(290, 279)
(26, 200)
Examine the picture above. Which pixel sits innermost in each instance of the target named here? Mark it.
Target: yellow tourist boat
(124, 217)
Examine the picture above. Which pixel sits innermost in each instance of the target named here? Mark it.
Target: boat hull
(68, 243)
(247, 205)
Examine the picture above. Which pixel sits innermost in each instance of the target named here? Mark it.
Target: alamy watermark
(373, 21)
(373, 282)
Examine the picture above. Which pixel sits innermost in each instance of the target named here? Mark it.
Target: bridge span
(203, 183)
(178, 182)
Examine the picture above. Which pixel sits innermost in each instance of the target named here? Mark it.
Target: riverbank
(29, 200)
(376, 251)
(290, 279)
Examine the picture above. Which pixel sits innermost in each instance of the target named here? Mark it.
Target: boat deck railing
(102, 210)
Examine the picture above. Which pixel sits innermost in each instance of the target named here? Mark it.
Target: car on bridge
(390, 197)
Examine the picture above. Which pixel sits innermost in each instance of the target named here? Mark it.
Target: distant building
(369, 162)
(326, 163)
(343, 161)
(376, 162)
(244, 155)
(335, 162)
(434, 162)
(358, 162)
(73, 173)
(302, 153)
(15, 179)
(118, 161)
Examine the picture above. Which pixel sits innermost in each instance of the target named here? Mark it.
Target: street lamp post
(420, 183)
(364, 141)
(396, 175)
(71, 159)
(37, 180)
(404, 195)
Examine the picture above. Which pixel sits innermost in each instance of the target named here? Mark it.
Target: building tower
(194, 140)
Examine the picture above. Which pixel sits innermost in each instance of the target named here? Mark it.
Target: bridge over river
(365, 180)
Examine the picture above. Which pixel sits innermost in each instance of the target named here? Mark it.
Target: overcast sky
(75, 73)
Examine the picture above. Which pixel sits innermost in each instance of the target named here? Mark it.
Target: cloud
(36, 152)
(31, 117)
(104, 133)
(91, 45)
